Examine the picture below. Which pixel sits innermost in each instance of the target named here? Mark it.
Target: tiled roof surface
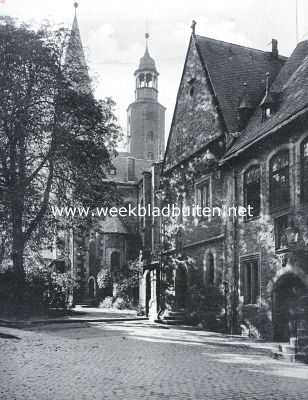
(292, 84)
(229, 67)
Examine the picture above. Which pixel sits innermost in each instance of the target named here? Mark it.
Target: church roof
(229, 66)
(292, 86)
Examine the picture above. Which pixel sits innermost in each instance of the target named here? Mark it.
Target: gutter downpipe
(235, 277)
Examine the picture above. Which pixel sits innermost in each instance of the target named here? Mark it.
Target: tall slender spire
(75, 61)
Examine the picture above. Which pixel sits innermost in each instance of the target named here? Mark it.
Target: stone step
(302, 357)
(173, 317)
(172, 321)
(282, 356)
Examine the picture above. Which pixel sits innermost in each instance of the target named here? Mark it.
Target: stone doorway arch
(91, 287)
(286, 295)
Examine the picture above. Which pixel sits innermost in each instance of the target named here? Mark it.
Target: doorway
(180, 287)
(286, 294)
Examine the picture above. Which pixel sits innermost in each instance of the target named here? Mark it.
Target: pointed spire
(147, 36)
(75, 61)
(76, 6)
(147, 62)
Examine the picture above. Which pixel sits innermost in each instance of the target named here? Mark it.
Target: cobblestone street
(140, 361)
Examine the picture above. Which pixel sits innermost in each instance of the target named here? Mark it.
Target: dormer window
(268, 112)
(268, 102)
(245, 108)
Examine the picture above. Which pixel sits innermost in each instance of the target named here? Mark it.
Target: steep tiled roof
(292, 84)
(230, 66)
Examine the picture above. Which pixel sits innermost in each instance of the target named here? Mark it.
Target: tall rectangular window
(203, 194)
(250, 285)
(279, 181)
(281, 224)
(304, 170)
(252, 190)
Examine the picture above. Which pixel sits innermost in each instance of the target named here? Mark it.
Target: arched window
(149, 79)
(209, 272)
(279, 181)
(304, 168)
(252, 190)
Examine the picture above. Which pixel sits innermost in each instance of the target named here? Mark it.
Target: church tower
(76, 68)
(145, 116)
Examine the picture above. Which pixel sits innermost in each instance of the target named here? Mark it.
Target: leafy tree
(55, 137)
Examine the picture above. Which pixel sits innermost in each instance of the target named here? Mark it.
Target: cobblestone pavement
(132, 361)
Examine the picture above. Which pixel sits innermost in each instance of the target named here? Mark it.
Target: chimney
(275, 52)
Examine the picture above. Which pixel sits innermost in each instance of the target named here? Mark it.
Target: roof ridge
(240, 45)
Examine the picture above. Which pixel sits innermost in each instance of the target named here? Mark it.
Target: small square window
(113, 171)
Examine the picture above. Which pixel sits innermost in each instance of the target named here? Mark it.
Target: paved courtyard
(137, 360)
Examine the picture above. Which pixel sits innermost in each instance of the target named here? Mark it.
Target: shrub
(107, 302)
(206, 306)
(121, 304)
(41, 291)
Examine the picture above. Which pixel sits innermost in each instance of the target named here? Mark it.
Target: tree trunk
(18, 242)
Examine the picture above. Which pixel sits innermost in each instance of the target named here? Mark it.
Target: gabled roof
(229, 66)
(292, 86)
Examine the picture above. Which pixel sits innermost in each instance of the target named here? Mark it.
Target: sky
(113, 35)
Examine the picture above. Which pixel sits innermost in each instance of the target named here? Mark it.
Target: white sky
(113, 35)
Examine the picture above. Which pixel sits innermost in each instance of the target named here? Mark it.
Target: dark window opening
(281, 225)
(250, 281)
(203, 194)
(252, 190)
(304, 170)
(210, 270)
(115, 262)
(279, 181)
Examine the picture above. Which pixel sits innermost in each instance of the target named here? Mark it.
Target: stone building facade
(238, 138)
